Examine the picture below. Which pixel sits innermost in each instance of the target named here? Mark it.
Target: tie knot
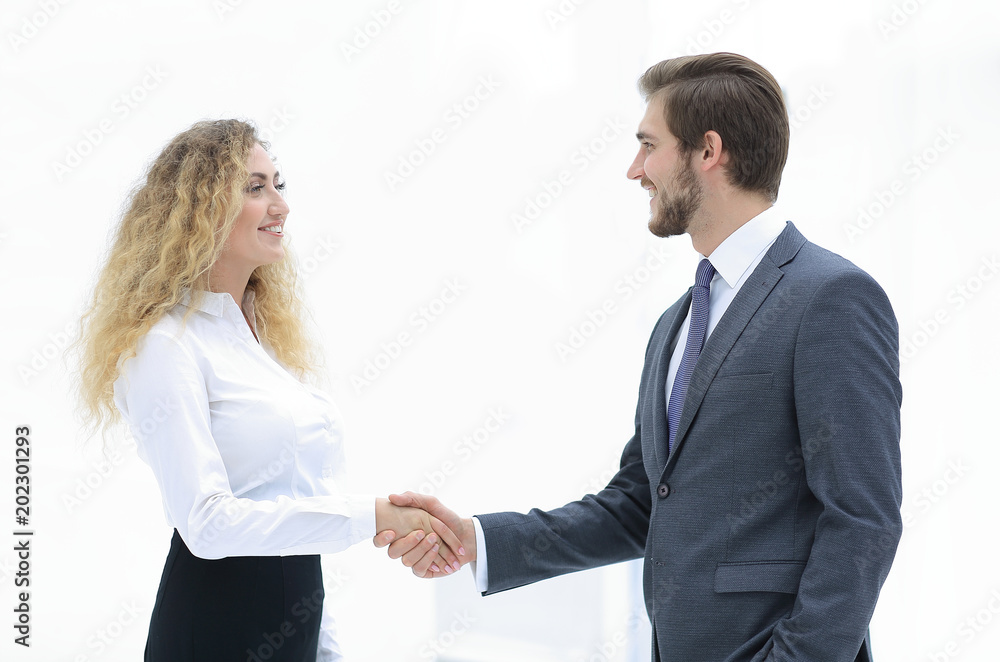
(704, 274)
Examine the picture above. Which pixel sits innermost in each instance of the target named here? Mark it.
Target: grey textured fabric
(769, 530)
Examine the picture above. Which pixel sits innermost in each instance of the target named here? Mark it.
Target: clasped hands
(430, 539)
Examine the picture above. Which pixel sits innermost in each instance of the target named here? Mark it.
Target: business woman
(194, 338)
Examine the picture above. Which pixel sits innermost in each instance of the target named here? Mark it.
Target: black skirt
(238, 609)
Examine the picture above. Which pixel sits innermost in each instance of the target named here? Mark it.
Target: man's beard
(672, 214)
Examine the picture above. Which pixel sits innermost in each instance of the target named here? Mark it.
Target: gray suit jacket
(769, 529)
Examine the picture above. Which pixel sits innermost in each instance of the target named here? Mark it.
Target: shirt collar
(216, 303)
(739, 250)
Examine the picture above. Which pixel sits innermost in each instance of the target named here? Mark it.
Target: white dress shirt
(247, 457)
(734, 260)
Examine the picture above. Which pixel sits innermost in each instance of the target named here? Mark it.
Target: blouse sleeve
(163, 396)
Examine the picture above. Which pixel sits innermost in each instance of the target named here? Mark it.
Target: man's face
(674, 189)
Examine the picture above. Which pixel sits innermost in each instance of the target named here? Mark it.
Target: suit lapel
(662, 362)
(732, 324)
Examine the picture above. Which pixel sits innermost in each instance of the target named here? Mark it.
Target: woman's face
(256, 236)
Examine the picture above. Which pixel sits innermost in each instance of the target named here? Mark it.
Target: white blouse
(246, 456)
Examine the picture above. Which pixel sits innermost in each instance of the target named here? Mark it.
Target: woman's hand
(394, 522)
(413, 551)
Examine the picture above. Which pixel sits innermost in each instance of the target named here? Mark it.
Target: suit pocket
(768, 576)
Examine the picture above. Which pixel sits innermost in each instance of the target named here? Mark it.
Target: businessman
(762, 485)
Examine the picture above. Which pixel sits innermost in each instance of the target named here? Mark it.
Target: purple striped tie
(695, 341)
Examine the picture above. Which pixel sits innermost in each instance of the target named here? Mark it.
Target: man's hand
(415, 552)
(423, 535)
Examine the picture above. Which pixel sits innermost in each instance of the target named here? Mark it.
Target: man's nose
(635, 171)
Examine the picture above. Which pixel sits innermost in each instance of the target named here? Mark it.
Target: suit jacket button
(663, 490)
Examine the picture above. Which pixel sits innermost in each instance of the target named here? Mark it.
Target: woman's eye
(258, 187)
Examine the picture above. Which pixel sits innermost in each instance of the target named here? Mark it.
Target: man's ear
(712, 152)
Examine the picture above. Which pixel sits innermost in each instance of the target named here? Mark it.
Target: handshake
(430, 539)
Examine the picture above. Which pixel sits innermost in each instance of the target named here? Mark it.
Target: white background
(894, 106)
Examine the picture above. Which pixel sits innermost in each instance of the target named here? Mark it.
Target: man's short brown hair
(733, 96)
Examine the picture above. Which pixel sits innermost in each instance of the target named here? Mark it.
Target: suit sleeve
(599, 529)
(847, 405)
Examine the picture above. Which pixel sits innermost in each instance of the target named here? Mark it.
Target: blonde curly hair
(173, 230)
